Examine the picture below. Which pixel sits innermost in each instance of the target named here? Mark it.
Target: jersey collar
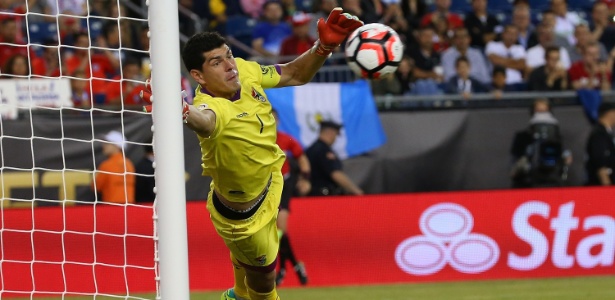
(234, 98)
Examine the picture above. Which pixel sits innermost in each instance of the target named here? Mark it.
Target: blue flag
(301, 108)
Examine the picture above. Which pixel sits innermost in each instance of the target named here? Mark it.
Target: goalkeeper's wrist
(322, 50)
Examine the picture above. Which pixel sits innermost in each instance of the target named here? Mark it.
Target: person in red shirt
(115, 179)
(9, 35)
(49, 64)
(300, 41)
(125, 88)
(442, 9)
(590, 72)
(95, 65)
(16, 67)
(294, 153)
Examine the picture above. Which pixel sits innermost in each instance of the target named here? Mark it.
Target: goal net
(77, 212)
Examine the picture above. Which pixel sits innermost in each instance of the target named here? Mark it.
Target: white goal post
(60, 235)
(169, 144)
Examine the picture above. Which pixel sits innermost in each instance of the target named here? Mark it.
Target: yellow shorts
(253, 241)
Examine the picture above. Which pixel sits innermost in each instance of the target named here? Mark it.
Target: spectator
(427, 70)
(49, 64)
(41, 11)
(68, 7)
(145, 181)
(538, 152)
(602, 25)
(499, 85)
(441, 39)
(300, 41)
(80, 90)
(9, 35)
(368, 11)
(508, 54)
(481, 25)
(269, 33)
(590, 72)
(115, 178)
(16, 67)
(600, 148)
(583, 37)
(125, 88)
(413, 11)
(96, 65)
(327, 178)
(394, 16)
(397, 84)
(536, 55)
(552, 75)
(110, 42)
(521, 20)
(320, 9)
(253, 8)
(141, 52)
(565, 21)
(461, 47)
(442, 10)
(463, 83)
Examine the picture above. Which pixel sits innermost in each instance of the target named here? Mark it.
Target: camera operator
(539, 158)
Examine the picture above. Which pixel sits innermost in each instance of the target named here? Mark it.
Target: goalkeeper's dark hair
(192, 54)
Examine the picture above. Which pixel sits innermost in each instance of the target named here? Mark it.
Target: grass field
(579, 288)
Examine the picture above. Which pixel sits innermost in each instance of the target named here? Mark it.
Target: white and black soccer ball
(374, 50)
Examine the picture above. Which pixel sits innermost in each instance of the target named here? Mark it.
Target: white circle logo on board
(447, 239)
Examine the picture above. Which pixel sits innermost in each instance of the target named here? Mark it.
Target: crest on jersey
(258, 96)
(261, 260)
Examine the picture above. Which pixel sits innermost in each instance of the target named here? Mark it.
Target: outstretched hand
(147, 97)
(333, 31)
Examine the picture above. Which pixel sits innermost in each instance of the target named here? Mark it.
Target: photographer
(539, 158)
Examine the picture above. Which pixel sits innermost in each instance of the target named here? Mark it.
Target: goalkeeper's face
(219, 73)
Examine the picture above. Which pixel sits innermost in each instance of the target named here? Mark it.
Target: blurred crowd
(95, 43)
(453, 47)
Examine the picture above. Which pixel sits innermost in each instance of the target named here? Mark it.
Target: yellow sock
(273, 295)
(240, 275)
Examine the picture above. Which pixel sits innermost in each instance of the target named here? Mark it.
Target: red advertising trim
(342, 241)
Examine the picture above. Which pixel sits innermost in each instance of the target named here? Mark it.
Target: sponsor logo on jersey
(243, 114)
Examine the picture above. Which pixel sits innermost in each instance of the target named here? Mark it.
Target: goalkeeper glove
(333, 31)
(147, 97)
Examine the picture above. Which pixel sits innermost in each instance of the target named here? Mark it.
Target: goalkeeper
(236, 129)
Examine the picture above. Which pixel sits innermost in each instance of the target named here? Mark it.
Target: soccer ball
(374, 50)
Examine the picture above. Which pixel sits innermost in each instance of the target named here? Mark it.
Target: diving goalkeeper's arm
(331, 33)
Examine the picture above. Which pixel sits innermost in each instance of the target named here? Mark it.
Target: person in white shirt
(565, 20)
(479, 68)
(536, 55)
(509, 55)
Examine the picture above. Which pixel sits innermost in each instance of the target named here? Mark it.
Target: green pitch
(580, 288)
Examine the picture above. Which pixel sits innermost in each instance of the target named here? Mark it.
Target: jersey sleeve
(204, 102)
(268, 76)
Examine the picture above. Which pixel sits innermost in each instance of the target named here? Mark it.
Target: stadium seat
(580, 5)
(95, 26)
(40, 32)
(540, 5)
(500, 5)
(461, 6)
(240, 27)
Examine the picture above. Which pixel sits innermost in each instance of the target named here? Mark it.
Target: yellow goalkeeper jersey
(242, 153)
